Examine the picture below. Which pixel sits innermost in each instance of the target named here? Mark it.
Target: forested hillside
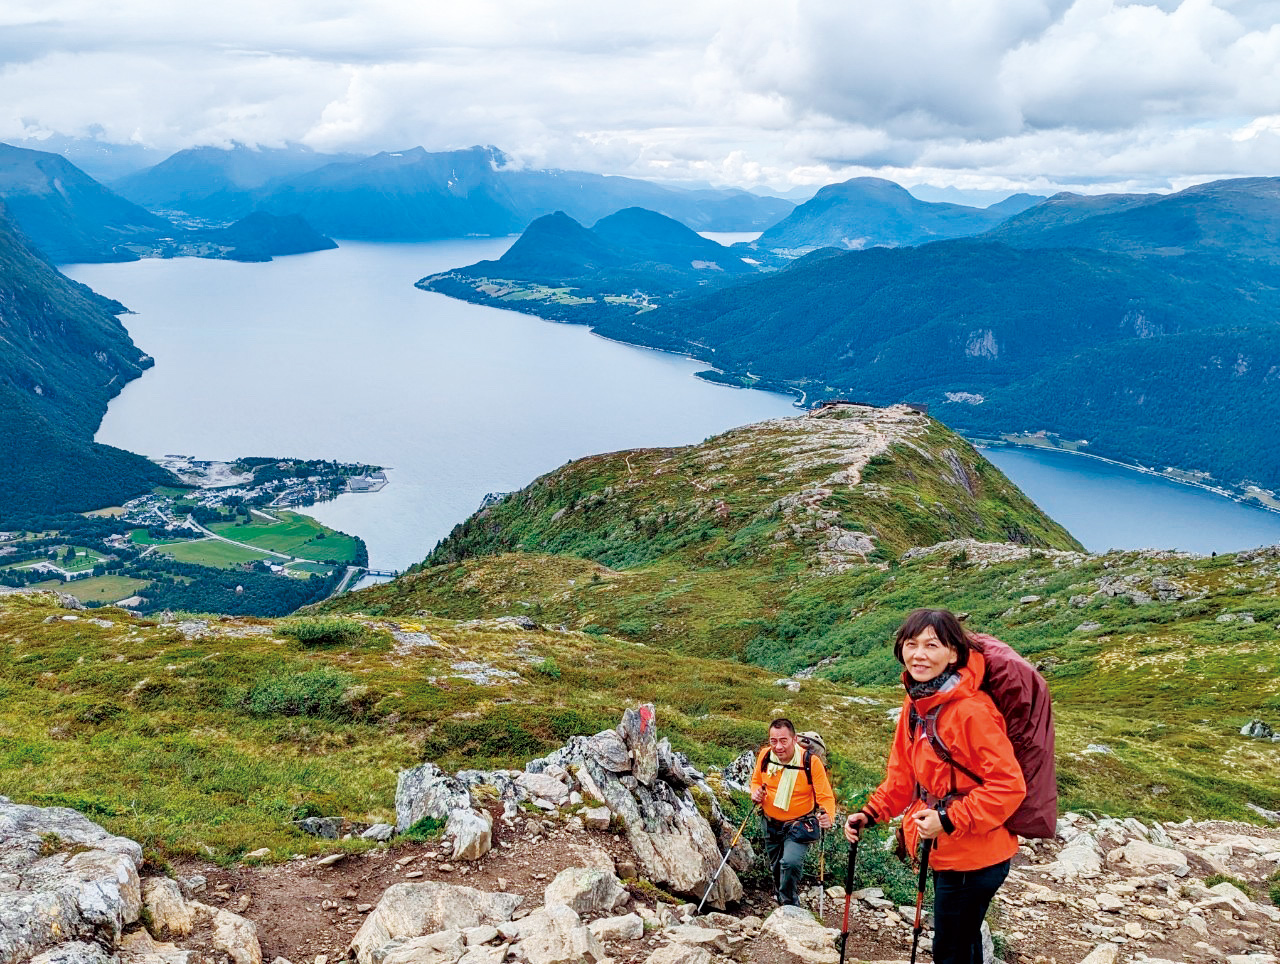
(66, 355)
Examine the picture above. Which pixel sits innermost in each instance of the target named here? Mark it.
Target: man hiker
(791, 786)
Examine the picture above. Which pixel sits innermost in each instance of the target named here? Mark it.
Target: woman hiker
(790, 784)
(964, 818)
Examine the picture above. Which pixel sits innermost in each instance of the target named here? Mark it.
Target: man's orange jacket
(802, 797)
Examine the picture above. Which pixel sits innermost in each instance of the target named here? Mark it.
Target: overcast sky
(996, 95)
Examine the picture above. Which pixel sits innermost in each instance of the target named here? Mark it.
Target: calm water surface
(1110, 507)
(336, 355)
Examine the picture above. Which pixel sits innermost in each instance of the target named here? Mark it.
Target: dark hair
(782, 723)
(943, 622)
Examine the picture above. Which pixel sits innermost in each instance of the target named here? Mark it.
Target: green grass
(142, 537)
(310, 567)
(294, 534)
(215, 553)
(103, 589)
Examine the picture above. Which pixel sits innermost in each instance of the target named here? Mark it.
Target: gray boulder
(556, 935)
(70, 881)
(544, 787)
(443, 947)
(379, 831)
(414, 910)
(76, 952)
(588, 890)
(799, 937)
(628, 927)
(326, 828)
(609, 751)
(471, 833)
(426, 791)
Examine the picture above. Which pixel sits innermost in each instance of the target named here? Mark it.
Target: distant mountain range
(66, 355)
(1236, 218)
(70, 217)
(218, 183)
(1143, 324)
(67, 214)
(416, 195)
(867, 212)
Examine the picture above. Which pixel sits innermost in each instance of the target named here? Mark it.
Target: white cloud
(999, 93)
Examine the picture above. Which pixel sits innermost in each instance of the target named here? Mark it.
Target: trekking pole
(822, 874)
(848, 896)
(728, 851)
(925, 847)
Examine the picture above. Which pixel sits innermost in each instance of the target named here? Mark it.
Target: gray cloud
(986, 95)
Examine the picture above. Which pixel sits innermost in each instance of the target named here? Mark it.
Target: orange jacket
(973, 730)
(802, 797)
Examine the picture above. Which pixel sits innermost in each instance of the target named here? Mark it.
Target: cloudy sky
(989, 95)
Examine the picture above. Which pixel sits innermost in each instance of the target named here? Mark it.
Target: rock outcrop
(70, 894)
(655, 792)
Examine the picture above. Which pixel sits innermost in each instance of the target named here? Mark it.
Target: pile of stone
(585, 913)
(625, 777)
(1139, 891)
(70, 894)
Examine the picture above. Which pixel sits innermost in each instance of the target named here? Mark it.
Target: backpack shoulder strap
(930, 723)
(808, 767)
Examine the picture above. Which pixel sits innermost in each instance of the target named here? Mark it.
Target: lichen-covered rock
(471, 834)
(426, 791)
(414, 910)
(639, 730)
(167, 908)
(556, 935)
(587, 890)
(76, 952)
(800, 937)
(443, 947)
(70, 881)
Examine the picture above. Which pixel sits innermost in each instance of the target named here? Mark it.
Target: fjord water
(336, 355)
(1108, 506)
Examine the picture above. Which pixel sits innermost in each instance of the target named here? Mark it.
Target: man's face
(782, 742)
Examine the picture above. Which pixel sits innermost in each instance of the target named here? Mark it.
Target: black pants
(960, 902)
(786, 860)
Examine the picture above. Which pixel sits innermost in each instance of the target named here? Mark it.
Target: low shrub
(319, 693)
(324, 630)
(428, 828)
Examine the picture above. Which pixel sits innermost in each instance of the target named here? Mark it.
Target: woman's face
(925, 655)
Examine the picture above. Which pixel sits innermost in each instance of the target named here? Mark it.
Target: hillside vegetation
(694, 578)
(65, 356)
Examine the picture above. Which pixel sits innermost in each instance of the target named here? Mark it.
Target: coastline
(981, 442)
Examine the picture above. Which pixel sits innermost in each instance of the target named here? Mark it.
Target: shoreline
(1226, 493)
(983, 442)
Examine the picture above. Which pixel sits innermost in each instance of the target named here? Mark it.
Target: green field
(142, 537)
(99, 589)
(310, 567)
(85, 559)
(212, 552)
(297, 535)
